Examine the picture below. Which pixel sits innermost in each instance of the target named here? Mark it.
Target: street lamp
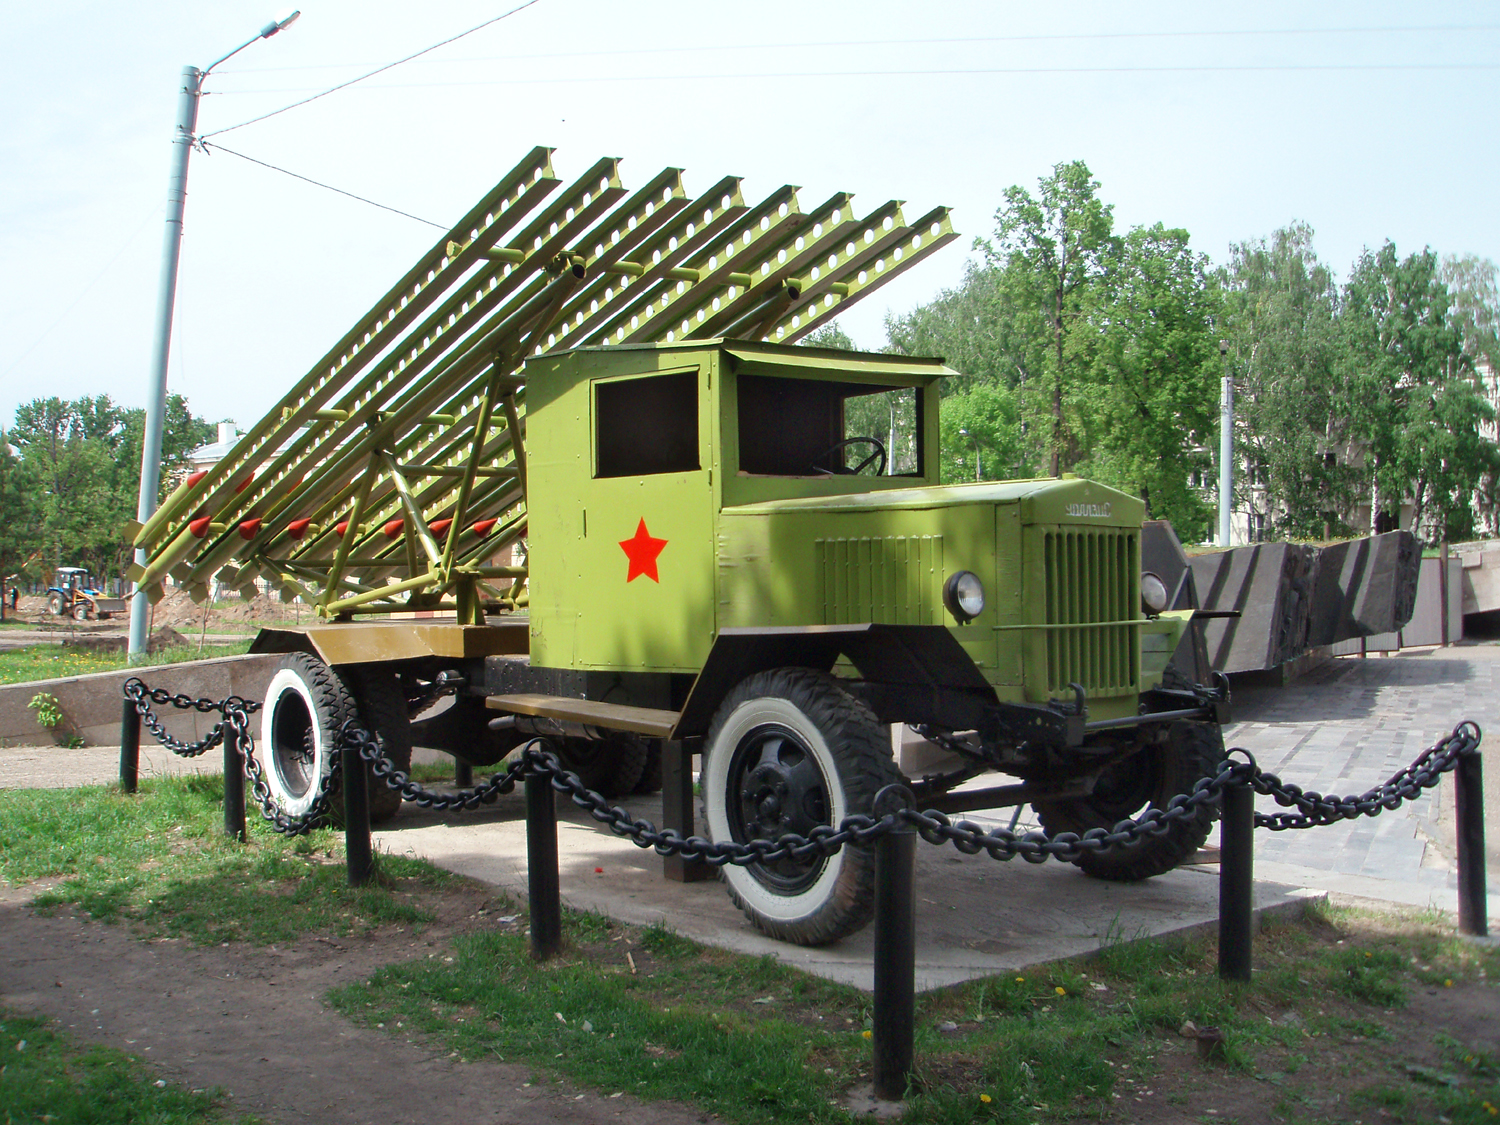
(156, 395)
(978, 471)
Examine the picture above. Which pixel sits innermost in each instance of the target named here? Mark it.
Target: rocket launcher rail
(395, 469)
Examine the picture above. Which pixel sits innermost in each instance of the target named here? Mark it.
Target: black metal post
(677, 809)
(130, 746)
(1236, 879)
(895, 955)
(544, 890)
(463, 773)
(234, 783)
(1468, 822)
(357, 850)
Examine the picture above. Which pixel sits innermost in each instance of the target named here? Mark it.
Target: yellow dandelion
(1060, 990)
(1020, 980)
(986, 1099)
(868, 1034)
(1448, 983)
(1367, 954)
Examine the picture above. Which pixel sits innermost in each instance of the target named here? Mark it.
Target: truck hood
(1044, 500)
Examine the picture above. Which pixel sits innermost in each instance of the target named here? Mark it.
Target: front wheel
(1149, 778)
(789, 750)
(80, 612)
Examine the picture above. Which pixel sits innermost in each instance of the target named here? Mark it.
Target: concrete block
(1364, 587)
(91, 704)
(1271, 584)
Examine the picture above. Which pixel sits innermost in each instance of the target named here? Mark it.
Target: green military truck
(733, 548)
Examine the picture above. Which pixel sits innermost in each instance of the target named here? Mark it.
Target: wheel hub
(779, 789)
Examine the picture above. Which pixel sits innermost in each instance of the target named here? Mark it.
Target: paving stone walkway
(1350, 724)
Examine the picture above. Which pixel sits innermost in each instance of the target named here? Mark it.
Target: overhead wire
(946, 41)
(378, 70)
(317, 183)
(721, 76)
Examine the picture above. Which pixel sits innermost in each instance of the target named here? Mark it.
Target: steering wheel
(844, 469)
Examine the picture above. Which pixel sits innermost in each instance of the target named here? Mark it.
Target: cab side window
(646, 426)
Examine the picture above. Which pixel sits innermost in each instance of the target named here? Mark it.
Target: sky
(1369, 121)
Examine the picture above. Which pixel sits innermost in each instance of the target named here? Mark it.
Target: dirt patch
(251, 1021)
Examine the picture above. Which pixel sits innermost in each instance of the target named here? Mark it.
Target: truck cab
(752, 541)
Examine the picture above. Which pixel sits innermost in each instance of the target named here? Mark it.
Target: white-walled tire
(306, 704)
(788, 750)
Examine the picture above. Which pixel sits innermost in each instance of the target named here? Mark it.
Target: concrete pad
(975, 917)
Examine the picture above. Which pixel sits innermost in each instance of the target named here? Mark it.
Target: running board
(611, 716)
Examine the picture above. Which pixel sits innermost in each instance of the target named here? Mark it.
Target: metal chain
(1314, 809)
(1406, 784)
(355, 737)
(139, 694)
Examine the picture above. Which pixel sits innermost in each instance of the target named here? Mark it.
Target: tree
(983, 437)
(1471, 283)
(974, 328)
(80, 467)
(1293, 441)
(18, 540)
(1411, 391)
(1150, 417)
(1053, 252)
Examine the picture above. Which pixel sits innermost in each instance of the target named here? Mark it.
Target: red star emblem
(641, 549)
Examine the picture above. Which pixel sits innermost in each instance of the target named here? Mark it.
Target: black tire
(55, 605)
(609, 766)
(788, 750)
(380, 704)
(306, 705)
(1148, 779)
(81, 612)
(650, 781)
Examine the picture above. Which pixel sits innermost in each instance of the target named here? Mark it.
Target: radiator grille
(892, 580)
(1091, 576)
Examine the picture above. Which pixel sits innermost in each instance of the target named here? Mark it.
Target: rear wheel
(1149, 778)
(55, 605)
(610, 766)
(789, 750)
(306, 704)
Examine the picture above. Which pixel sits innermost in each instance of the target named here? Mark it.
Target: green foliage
(1151, 414)
(1054, 252)
(48, 709)
(79, 472)
(1409, 384)
(1292, 434)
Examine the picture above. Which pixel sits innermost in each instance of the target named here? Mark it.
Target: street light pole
(1226, 448)
(156, 395)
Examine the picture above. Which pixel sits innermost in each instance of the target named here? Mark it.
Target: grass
(46, 1077)
(52, 662)
(646, 1012)
(160, 861)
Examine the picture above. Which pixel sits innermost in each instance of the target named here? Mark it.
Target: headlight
(1153, 593)
(963, 594)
